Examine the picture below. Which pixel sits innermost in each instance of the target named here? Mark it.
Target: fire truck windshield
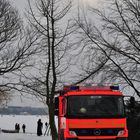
(95, 106)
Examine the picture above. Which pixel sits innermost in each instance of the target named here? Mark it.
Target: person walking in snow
(23, 128)
(16, 125)
(18, 128)
(39, 127)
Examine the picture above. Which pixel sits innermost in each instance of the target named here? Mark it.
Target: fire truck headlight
(120, 133)
(72, 133)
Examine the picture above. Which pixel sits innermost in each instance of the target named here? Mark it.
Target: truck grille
(96, 131)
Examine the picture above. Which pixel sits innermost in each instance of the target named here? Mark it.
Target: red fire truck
(91, 113)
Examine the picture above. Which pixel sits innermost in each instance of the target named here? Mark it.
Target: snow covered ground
(8, 122)
(20, 136)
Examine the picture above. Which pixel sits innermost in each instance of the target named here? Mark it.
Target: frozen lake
(8, 122)
(21, 136)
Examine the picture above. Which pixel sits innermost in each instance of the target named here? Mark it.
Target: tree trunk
(52, 122)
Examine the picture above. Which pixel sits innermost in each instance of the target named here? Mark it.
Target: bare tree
(15, 47)
(50, 22)
(115, 32)
(10, 26)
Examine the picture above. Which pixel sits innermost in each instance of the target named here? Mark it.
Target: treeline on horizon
(17, 110)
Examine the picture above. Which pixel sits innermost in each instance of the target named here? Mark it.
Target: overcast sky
(21, 5)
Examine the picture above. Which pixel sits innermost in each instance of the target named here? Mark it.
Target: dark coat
(39, 127)
(17, 127)
(23, 128)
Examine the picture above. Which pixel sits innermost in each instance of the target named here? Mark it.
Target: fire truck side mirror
(56, 112)
(56, 102)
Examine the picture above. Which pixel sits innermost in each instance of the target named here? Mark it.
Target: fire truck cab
(91, 113)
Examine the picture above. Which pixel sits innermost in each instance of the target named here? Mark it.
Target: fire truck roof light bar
(74, 87)
(114, 87)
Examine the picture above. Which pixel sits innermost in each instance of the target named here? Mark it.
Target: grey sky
(21, 5)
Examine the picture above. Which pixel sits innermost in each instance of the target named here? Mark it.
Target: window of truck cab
(89, 106)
